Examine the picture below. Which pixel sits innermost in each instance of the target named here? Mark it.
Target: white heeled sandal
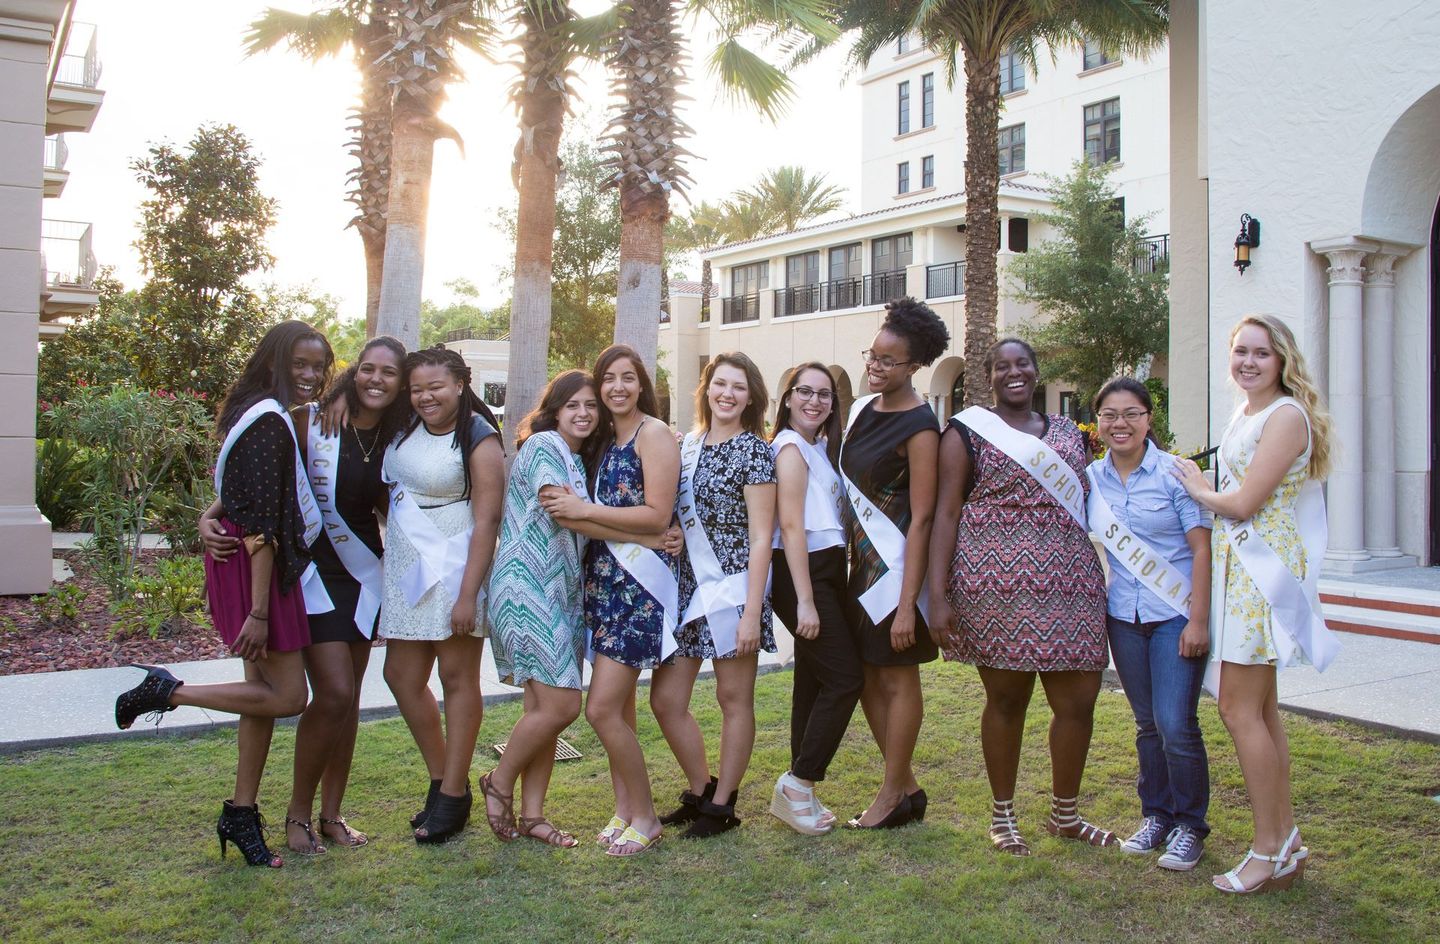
(806, 815)
(1288, 866)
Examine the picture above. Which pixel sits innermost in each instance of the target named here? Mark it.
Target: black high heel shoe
(151, 696)
(902, 814)
(418, 819)
(243, 826)
(918, 804)
(447, 817)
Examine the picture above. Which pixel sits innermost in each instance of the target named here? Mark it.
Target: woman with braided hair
(447, 476)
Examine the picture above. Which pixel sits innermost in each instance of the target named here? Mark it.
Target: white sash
(824, 522)
(718, 596)
(439, 559)
(317, 600)
(359, 560)
(1034, 456)
(560, 449)
(1144, 563)
(1294, 605)
(650, 572)
(883, 596)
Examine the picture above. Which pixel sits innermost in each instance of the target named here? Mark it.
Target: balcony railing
(881, 287)
(65, 246)
(80, 65)
(836, 294)
(945, 279)
(477, 334)
(1155, 255)
(56, 152)
(740, 308)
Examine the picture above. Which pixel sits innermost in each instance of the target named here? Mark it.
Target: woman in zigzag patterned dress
(537, 617)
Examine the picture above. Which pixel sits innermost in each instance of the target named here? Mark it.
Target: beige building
(818, 293)
(49, 73)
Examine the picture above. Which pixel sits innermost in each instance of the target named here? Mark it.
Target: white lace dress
(429, 468)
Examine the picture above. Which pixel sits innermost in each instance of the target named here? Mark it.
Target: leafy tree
(1107, 315)
(437, 321)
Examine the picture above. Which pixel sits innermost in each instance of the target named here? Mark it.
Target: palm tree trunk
(705, 282)
(982, 227)
(371, 149)
(374, 243)
(542, 97)
(413, 149)
(637, 302)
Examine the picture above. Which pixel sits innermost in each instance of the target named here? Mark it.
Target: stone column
(1381, 540)
(1345, 496)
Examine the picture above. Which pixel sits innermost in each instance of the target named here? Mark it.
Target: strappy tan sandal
(353, 837)
(555, 836)
(1065, 823)
(1004, 831)
(502, 824)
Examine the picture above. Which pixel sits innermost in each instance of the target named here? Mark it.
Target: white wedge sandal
(806, 815)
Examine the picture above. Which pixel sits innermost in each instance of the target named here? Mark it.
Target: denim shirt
(1155, 506)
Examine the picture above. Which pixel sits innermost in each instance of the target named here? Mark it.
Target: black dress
(358, 491)
(871, 463)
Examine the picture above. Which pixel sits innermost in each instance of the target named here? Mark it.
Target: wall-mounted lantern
(1248, 239)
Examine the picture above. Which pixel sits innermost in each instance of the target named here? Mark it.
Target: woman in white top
(1276, 445)
(808, 591)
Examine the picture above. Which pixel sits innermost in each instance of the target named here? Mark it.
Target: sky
(170, 66)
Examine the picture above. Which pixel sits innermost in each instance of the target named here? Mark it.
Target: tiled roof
(686, 287)
(886, 211)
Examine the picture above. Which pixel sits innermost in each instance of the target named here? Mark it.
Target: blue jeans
(1164, 692)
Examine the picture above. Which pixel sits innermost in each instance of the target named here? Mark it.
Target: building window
(902, 45)
(1019, 234)
(845, 262)
(927, 171)
(493, 393)
(1012, 72)
(902, 105)
(802, 269)
(902, 177)
(927, 100)
(1102, 131)
(749, 279)
(1012, 149)
(891, 253)
(1096, 55)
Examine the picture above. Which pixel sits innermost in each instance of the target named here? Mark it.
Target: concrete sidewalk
(1390, 684)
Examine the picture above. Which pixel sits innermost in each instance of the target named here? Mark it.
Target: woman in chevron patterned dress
(537, 618)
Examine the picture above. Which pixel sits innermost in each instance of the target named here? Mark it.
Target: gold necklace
(366, 453)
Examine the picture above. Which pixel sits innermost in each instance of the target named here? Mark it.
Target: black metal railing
(945, 279)
(477, 334)
(740, 308)
(838, 294)
(80, 65)
(881, 287)
(1155, 255)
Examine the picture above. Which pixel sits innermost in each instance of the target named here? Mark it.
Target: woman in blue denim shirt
(1159, 653)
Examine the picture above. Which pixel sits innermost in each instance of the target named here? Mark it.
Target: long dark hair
(647, 402)
(396, 414)
(1130, 385)
(831, 429)
(752, 418)
(267, 372)
(546, 415)
(470, 402)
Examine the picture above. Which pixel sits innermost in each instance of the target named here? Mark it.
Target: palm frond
(745, 76)
(313, 35)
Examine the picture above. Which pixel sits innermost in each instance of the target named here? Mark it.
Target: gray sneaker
(1150, 836)
(1183, 848)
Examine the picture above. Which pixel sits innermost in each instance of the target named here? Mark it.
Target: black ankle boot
(243, 826)
(714, 819)
(151, 696)
(447, 817)
(689, 809)
(418, 819)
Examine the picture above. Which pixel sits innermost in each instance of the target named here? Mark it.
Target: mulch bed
(29, 643)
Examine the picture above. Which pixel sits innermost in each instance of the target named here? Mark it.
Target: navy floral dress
(721, 474)
(625, 622)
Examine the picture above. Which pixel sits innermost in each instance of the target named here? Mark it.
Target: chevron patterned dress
(537, 619)
(1025, 580)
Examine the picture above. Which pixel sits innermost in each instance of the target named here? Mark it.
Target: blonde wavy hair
(1295, 381)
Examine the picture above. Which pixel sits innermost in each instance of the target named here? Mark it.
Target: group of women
(882, 541)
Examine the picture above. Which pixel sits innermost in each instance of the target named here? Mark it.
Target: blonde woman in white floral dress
(1278, 440)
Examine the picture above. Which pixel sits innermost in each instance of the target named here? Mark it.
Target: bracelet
(259, 618)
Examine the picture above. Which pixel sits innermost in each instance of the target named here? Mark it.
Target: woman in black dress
(889, 459)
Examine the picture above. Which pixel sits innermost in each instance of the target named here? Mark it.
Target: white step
(1376, 622)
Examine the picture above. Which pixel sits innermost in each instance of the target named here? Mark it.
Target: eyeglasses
(808, 393)
(1129, 416)
(884, 363)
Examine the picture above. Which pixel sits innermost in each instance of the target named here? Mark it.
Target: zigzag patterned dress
(537, 618)
(1025, 581)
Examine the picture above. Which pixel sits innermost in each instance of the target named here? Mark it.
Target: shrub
(60, 606)
(174, 594)
(60, 482)
(177, 512)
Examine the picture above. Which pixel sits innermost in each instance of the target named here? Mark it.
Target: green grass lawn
(116, 842)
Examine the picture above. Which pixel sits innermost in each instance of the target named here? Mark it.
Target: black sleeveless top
(358, 492)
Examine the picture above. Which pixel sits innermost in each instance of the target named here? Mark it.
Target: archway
(946, 387)
(844, 390)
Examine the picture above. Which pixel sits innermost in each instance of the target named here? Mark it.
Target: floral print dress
(1240, 617)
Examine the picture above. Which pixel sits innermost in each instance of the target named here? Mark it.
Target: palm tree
(973, 35)
(358, 26)
(646, 53)
(788, 197)
(419, 65)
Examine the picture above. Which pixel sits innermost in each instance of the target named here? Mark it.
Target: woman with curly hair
(888, 464)
(1267, 544)
(1016, 588)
